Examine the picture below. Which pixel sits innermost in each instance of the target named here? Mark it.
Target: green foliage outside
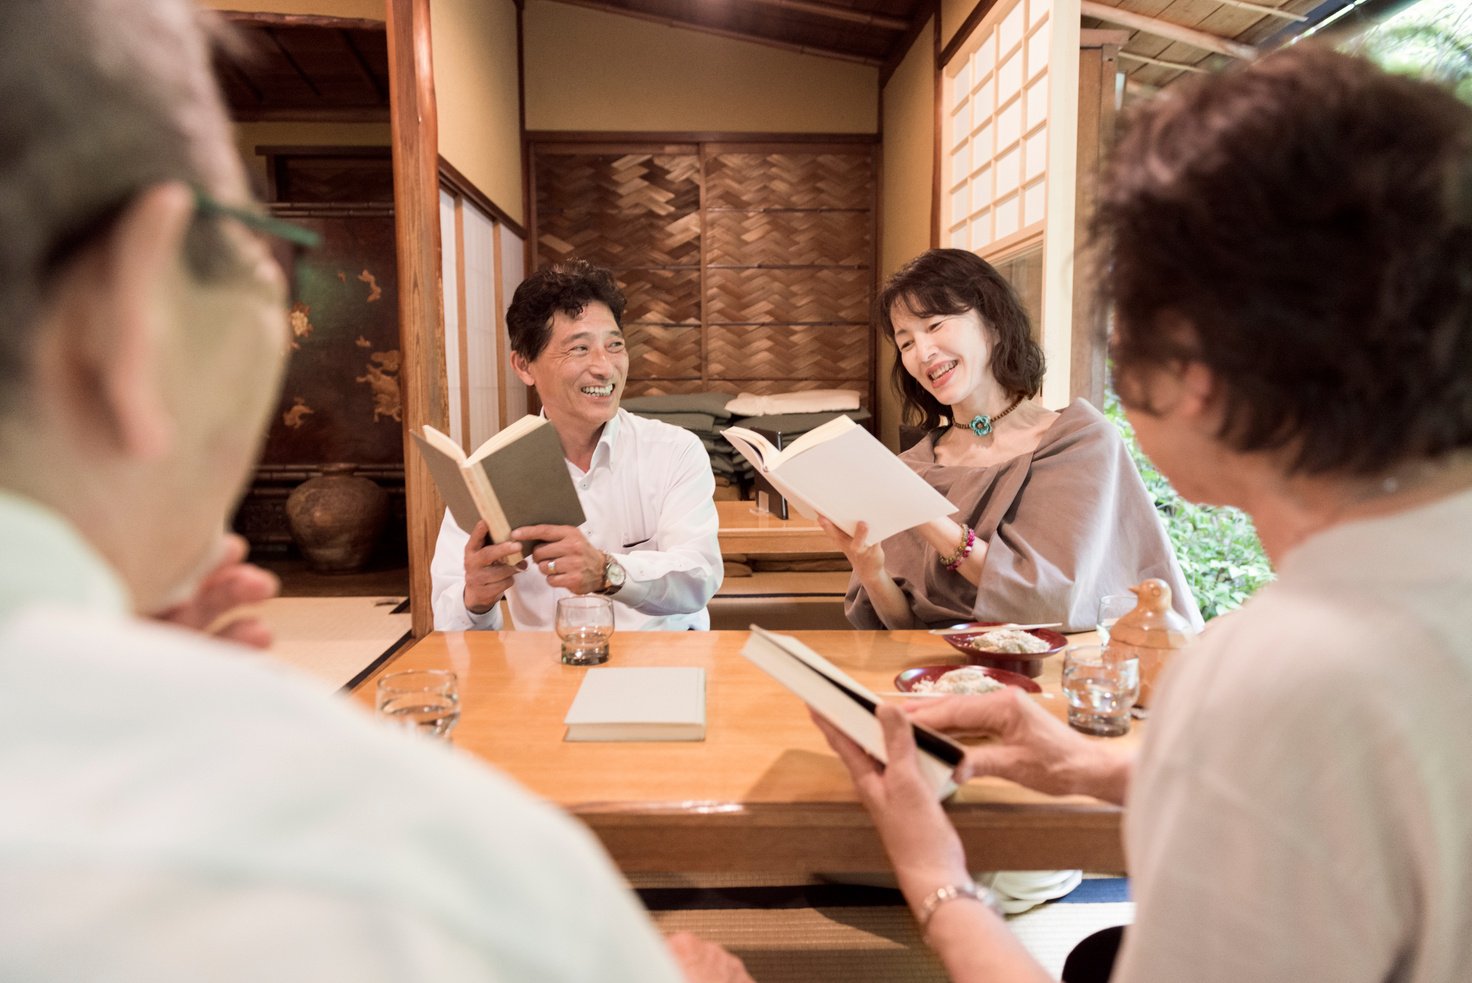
(1218, 547)
(1431, 40)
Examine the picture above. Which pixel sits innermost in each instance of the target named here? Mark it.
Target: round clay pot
(336, 518)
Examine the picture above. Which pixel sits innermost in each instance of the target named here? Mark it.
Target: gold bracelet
(953, 892)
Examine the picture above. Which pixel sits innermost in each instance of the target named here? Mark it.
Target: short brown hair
(1302, 226)
(953, 281)
(568, 287)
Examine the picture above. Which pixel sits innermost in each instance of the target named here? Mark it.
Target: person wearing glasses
(176, 808)
(650, 539)
(1288, 248)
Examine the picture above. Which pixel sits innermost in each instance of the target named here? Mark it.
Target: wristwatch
(613, 577)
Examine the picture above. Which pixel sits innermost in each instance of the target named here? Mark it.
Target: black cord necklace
(982, 425)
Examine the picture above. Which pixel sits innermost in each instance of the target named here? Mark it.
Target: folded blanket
(811, 401)
(713, 404)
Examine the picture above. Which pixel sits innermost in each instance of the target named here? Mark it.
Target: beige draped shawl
(1064, 525)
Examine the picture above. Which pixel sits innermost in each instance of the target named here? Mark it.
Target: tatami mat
(335, 640)
(787, 930)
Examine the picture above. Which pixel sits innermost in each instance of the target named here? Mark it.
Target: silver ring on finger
(551, 567)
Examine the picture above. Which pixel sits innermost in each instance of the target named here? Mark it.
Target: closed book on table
(661, 703)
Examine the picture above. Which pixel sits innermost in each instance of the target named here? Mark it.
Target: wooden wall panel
(795, 179)
(746, 266)
(801, 296)
(796, 238)
(789, 352)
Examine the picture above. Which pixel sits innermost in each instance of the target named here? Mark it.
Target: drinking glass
(585, 624)
(1112, 607)
(1101, 686)
(426, 701)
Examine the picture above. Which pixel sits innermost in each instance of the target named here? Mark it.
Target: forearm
(665, 583)
(887, 599)
(948, 537)
(1105, 774)
(975, 945)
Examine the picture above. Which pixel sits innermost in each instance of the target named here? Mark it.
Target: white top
(649, 496)
(177, 809)
(1302, 809)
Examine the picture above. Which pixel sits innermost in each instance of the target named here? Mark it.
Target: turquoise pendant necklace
(981, 424)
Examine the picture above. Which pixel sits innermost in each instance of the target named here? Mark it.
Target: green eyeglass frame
(258, 221)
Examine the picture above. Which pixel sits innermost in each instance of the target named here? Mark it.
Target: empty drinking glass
(1112, 607)
(1101, 686)
(426, 701)
(585, 624)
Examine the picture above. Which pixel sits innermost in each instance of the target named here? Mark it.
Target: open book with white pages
(847, 704)
(839, 470)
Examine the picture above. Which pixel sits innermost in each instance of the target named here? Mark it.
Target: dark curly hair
(568, 287)
(953, 281)
(1302, 226)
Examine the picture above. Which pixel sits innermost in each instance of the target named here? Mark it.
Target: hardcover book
(517, 478)
(639, 704)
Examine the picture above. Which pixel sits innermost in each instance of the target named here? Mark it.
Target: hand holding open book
(517, 478)
(841, 472)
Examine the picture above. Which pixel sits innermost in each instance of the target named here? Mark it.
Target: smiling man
(650, 538)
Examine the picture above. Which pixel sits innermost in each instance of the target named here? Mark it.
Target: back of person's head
(1302, 226)
(940, 282)
(566, 288)
(102, 98)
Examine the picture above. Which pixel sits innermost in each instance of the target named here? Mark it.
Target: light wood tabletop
(762, 792)
(747, 531)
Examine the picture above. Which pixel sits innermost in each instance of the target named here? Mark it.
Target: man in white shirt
(177, 808)
(649, 541)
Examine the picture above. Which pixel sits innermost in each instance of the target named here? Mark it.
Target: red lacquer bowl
(1023, 663)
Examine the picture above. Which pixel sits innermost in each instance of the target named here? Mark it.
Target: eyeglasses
(257, 221)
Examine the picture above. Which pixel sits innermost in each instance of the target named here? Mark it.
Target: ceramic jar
(336, 518)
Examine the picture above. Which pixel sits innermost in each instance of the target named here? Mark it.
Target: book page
(445, 469)
(507, 434)
(853, 478)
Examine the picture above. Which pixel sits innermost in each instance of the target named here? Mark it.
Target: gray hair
(101, 99)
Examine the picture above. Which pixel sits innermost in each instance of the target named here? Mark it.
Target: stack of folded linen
(705, 415)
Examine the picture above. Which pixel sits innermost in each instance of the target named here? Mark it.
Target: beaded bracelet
(955, 892)
(954, 561)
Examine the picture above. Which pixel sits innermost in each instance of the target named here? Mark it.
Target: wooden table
(747, 531)
(762, 792)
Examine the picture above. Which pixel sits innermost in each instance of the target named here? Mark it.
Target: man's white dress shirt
(649, 497)
(174, 808)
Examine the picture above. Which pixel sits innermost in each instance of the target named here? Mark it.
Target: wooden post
(421, 315)
(1097, 92)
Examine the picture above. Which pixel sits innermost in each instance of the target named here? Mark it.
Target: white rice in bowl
(965, 681)
(1008, 641)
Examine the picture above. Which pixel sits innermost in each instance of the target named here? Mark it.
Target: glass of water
(585, 624)
(426, 701)
(1101, 686)
(1112, 607)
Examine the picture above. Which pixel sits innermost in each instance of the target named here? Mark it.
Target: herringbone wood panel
(790, 238)
(790, 180)
(814, 295)
(661, 296)
(764, 329)
(788, 351)
(658, 351)
(633, 184)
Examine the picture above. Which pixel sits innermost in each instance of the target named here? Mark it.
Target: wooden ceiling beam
(1265, 10)
(840, 13)
(1166, 29)
(1178, 66)
(802, 49)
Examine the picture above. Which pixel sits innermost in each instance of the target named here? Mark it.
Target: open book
(846, 703)
(517, 478)
(841, 472)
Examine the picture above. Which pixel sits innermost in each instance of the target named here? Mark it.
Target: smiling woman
(1051, 514)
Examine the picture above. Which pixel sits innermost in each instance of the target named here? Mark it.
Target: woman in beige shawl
(1051, 514)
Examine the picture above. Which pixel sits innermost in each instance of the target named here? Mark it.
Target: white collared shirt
(649, 497)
